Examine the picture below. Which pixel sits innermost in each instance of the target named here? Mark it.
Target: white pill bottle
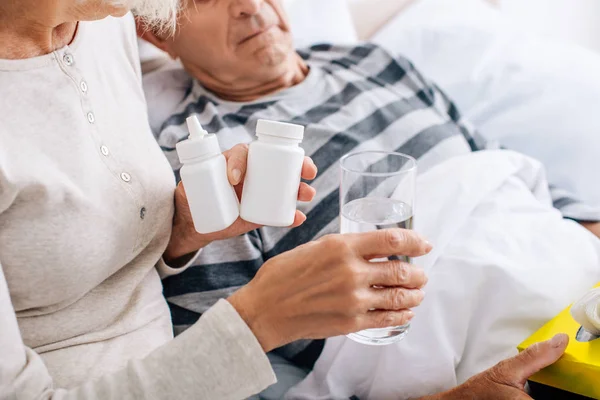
(273, 176)
(212, 200)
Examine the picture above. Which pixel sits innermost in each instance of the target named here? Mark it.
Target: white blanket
(505, 262)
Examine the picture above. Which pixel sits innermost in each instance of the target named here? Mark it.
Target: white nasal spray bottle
(212, 200)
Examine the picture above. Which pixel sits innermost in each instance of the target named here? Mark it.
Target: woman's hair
(157, 15)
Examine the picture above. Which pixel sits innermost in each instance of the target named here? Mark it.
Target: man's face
(233, 41)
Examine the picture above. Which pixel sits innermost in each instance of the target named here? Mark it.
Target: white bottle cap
(280, 129)
(199, 144)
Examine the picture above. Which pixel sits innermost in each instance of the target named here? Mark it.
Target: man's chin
(274, 54)
(271, 58)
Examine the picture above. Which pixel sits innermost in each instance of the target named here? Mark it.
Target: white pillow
(370, 15)
(531, 95)
(318, 21)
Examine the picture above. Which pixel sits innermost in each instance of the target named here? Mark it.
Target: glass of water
(378, 192)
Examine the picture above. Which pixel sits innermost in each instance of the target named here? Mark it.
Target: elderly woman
(88, 222)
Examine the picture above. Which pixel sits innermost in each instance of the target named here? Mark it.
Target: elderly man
(244, 67)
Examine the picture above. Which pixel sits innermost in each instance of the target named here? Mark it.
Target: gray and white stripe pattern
(355, 98)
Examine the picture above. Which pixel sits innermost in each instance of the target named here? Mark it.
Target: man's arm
(566, 202)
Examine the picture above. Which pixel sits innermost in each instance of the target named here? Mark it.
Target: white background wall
(573, 20)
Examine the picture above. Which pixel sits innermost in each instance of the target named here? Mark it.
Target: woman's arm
(217, 358)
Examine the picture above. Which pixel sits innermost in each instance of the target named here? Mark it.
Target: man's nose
(245, 8)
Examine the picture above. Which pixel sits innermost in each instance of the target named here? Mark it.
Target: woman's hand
(185, 239)
(507, 380)
(326, 288)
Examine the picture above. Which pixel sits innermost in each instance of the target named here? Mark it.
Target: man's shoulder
(365, 58)
(355, 54)
(166, 89)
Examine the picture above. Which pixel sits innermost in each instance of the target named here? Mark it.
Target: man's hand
(326, 288)
(185, 239)
(593, 227)
(506, 381)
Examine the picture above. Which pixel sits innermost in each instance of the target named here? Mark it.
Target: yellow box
(578, 371)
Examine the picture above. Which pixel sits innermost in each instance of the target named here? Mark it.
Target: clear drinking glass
(377, 192)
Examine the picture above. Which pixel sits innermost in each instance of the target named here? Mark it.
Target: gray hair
(158, 15)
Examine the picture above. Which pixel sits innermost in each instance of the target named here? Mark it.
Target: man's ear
(146, 33)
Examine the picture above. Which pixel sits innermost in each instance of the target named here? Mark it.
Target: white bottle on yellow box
(273, 176)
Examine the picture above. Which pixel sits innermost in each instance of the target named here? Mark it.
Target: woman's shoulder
(111, 39)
